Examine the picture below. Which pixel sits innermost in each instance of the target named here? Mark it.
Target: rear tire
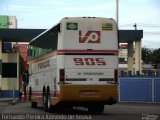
(30, 94)
(47, 102)
(33, 104)
(96, 109)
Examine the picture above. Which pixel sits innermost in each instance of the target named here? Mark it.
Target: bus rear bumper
(88, 94)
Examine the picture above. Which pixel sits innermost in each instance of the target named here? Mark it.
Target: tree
(146, 55)
(151, 56)
(156, 56)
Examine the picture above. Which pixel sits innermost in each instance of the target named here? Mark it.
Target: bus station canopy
(26, 35)
(19, 35)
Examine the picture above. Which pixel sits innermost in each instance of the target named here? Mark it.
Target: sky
(43, 14)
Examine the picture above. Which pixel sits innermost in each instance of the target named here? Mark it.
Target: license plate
(88, 92)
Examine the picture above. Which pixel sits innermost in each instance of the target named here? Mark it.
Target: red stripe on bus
(92, 51)
(52, 94)
(37, 94)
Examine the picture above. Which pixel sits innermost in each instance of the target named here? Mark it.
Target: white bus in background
(73, 64)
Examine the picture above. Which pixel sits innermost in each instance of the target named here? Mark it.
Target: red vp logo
(89, 37)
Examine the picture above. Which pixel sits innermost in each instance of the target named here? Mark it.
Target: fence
(139, 89)
(143, 73)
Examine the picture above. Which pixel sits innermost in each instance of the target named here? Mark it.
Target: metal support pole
(117, 12)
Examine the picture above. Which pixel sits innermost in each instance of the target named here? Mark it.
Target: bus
(74, 63)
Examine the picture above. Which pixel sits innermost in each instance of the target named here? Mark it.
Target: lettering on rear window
(43, 64)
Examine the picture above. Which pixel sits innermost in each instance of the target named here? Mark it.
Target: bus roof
(46, 37)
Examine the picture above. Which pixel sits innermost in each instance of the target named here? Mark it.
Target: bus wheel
(30, 94)
(47, 103)
(33, 104)
(96, 109)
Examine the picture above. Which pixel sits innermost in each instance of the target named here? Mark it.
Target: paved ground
(119, 111)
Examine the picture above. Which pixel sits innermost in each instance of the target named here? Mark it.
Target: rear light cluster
(108, 80)
(62, 76)
(116, 75)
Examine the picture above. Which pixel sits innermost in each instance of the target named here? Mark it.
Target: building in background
(9, 62)
(8, 22)
(123, 56)
(123, 60)
(22, 49)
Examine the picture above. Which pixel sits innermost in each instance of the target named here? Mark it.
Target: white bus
(74, 64)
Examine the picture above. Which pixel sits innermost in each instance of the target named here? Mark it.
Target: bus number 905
(89, 61)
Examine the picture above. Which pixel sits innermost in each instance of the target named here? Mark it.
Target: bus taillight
(62, 75)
